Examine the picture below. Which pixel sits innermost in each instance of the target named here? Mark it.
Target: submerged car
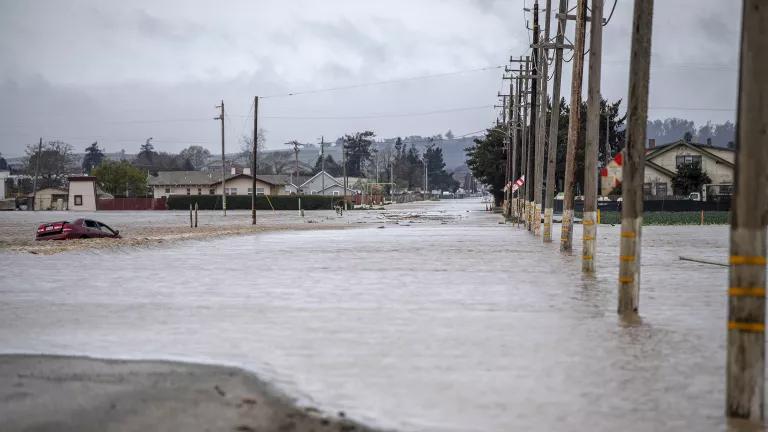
(79, 229)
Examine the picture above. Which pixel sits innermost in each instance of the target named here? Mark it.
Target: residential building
(50, 199)
(82, 193)
(3, 175)
(168, 183)
(662, 163)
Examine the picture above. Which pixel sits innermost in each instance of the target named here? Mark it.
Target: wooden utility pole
(746, 292)
(534, 141)
(592, 146)
(255, 156)
(554, 124)
(566, 235)
(526, 147)
(511, 145)
(37, 173)
(344, 165)
(223, 160)
(541, 139)
(632, 170)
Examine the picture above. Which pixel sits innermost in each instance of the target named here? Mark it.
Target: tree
(3, 163)
(196, 155)
(449, 134)
(689, 178)
(438, 177)
(486, 160)
(358, 148)
(246, 146)
(609, 111)
(93, 157)
(55, 163)
(331, 167)
(121, 179)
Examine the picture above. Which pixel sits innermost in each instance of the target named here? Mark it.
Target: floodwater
(452, 322)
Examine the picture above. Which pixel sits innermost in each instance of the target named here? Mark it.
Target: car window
(91, 224)
(106, 229)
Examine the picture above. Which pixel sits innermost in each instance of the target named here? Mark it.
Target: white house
(3, 176)
(662, 162)
(82, 193)
(168, 183)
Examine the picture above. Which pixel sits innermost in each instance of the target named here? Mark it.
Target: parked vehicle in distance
(79, 229)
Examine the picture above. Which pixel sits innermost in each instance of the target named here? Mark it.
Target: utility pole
(592, 146)
(509, 170)
(525, 145)
(541, 139)
(255, 156)
(517, 150)
(534, 141)
(322, 162)
(746, 292)
(554, 124)
(633, 167)
(223, 161)
(37, 172)
(504, 124)
(296, 150)
(566, 235)
(344, 164)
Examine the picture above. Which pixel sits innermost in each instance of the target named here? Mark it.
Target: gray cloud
(122, 71)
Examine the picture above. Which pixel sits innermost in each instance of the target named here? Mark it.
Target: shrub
(243, 202)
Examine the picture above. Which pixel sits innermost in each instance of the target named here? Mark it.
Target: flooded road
(449, 322)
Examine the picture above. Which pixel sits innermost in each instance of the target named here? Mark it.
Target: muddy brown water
(445, 321)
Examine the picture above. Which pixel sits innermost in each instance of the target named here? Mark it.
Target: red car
(79, 229)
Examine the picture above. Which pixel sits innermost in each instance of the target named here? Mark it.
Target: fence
(131, 204)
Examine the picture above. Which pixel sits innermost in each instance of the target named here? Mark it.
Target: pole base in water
(589, 238)
(547, 234)
(566, 233)
(629, 265)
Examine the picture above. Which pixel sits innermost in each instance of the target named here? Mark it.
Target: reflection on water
(464, 326)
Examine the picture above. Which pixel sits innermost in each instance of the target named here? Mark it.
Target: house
(322, 183)
(82, 193)
(662, 162)
(3, 175)
(50, 199)
(168, 183)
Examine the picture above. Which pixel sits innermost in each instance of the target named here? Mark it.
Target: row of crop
(670, 218)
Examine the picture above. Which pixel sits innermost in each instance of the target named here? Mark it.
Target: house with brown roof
(168, 183)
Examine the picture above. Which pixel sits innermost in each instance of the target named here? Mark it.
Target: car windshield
(106, 229)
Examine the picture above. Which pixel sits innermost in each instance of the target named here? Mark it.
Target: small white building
(82, 193)
(3, 176)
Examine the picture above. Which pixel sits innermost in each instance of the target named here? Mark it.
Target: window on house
(230, 191)
(167, 190)
(687, 160)
(335, 193)
(188, 191)
(199, 191)
(647, 189)
(726, 189)
(661, 189)
(259, 191)
(78, 200)
(211, 191)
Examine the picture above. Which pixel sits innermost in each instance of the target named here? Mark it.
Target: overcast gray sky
(118, 72)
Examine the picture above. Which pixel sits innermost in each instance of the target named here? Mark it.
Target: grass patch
(671, 218)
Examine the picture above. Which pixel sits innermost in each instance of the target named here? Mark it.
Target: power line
(377, 83)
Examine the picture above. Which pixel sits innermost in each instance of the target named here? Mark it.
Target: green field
(671, 218)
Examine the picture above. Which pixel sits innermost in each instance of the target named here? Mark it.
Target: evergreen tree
(331, 167)
(358, 148)
(93, 157)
